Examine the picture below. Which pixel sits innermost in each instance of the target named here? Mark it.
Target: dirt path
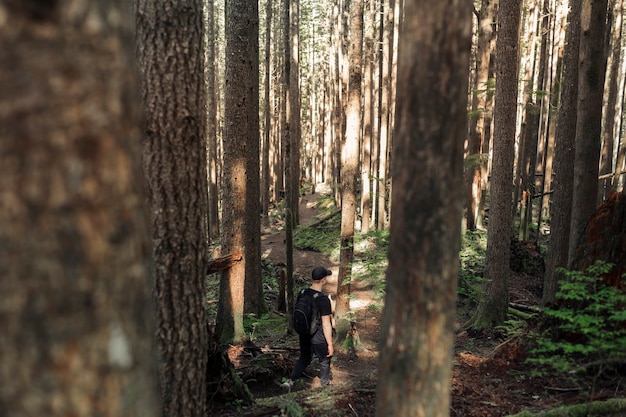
(345, 369)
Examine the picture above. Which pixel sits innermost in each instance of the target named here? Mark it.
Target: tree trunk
(478, 119)
(608, 138)
(385, 106)
(350, 162)
(492, 309)
(77, 313)
(175, 166)
(211, 104)
(563, 158)
(418, 323)
(288, 166)
(591, 70)
(294, 112)
(267, 111)
(241, 287)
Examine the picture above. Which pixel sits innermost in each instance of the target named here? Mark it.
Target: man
(319, 343)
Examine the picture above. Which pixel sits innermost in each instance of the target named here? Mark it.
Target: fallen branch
(223, 262)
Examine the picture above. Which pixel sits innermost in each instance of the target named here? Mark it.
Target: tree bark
(565, 135)
(241, 286)
(608, 137)
(212, 139)
(591, 73)
(77, 315)
(173, 91)
(492, 309)
(477, 127)
(418, 323)
(350, 162)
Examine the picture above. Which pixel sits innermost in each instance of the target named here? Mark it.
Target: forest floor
(489, 378)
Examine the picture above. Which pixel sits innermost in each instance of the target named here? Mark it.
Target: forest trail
(344, 368)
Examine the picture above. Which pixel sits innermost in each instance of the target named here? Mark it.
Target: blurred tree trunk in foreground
(76, 310)
(418, 324)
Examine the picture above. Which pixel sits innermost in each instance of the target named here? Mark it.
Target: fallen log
(612, 407)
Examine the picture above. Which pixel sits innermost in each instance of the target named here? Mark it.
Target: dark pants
(307, 349)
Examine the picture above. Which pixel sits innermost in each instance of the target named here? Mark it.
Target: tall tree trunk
(294, 103)
(350, 162)
(564, 157)
(368, 113)
(241, 286)
(608, 138)
(267, 128)
(175, 166)
(492, 309)
(385, 106)
(478, 119)
(418, 323)
(214, 197)
(591, 73)
(77, 313)
(288, 166)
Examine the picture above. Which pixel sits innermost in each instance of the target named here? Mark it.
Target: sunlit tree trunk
(608, 137)
(591, 73)
(350, 163)
(368, 115)
(492, 308)
(563, 157)
(240, 185)
(418, 323)
(385, 108)
(77, 314)
(477, 128)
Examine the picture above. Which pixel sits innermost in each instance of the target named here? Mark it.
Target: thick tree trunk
(77, 315)
(175, 166)
(591, 72)
(418, 323)
(241, 286)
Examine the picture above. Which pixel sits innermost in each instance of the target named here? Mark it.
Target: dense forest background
(147, 146)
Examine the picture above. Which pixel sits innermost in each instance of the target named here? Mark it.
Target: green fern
(587, 323)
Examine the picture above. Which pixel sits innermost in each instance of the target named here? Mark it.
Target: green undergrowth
(585, 329)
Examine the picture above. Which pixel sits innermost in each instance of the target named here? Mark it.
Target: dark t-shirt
(323, 306)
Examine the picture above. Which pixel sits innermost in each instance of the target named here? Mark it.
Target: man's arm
(327, 328)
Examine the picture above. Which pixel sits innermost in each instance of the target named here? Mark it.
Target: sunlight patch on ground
(356, 304)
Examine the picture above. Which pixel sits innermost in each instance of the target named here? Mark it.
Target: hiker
(320, 342)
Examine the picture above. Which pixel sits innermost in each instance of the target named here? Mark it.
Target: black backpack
(306, 318)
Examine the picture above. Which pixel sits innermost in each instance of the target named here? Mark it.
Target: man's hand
(331, 350)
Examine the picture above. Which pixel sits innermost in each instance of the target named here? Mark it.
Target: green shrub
(586, 325)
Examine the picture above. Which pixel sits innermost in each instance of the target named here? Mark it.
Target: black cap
(320, 272)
